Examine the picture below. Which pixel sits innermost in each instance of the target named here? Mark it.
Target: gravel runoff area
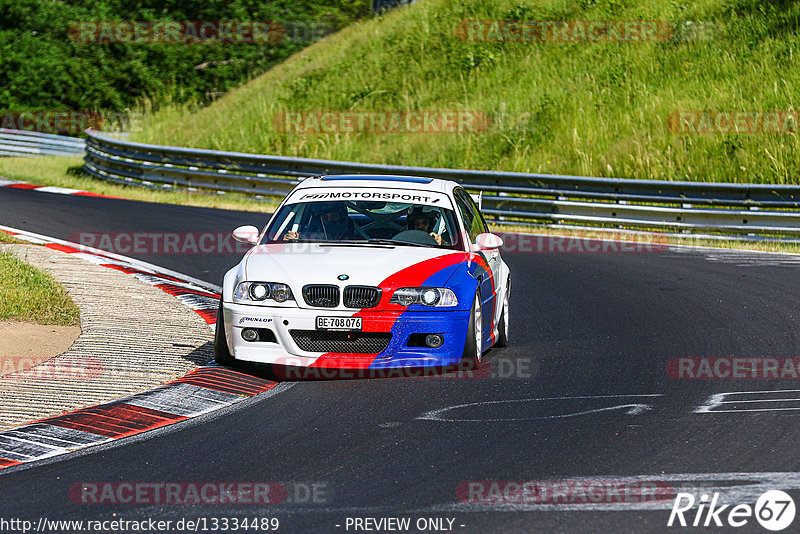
(25, 345)
(133, 337)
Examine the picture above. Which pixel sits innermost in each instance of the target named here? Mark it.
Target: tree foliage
(44, 67)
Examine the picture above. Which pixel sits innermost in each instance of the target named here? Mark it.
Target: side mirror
(488, 241)
(246, 234)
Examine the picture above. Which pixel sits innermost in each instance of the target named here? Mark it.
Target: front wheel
(473, 353)
(221, 353)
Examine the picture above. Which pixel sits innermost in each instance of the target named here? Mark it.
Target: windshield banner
(428, 198)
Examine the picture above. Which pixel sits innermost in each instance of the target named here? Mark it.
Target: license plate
(346, 324)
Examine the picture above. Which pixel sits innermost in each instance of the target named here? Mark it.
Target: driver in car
(423, 220)
(332, 224)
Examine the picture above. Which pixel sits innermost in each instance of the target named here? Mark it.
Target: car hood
(306, 263)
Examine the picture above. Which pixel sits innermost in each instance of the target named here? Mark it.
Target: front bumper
(451, 324)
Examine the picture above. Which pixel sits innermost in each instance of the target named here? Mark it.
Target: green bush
(44, 69)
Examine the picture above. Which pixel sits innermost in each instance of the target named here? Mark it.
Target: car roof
(416, 183)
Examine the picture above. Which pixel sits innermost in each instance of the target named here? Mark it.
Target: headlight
(439, 297)
(260, 291)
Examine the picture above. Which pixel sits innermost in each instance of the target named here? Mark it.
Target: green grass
(65, 172)
(5, 238)
(28, 294)
(596, 109)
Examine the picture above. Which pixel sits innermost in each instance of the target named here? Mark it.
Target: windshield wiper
(374, 241)
(371, 241)
(395, 242)
(346, 242)
(309, 241)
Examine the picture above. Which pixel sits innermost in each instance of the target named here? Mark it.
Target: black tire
(470, 358)
(502, 327)
(221, 353)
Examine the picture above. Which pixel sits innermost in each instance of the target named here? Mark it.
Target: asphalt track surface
(591, 335)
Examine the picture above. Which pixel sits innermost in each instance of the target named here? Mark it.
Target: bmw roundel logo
(343, 277)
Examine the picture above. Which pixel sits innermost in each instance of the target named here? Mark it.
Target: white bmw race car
(367, 272)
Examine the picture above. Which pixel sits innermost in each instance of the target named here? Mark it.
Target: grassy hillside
(586, 108)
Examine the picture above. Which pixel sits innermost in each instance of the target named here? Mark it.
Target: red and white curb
(200, 296)
(201, 391)
(204, 390)
(50, 189)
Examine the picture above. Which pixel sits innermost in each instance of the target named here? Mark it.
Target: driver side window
(472, 219)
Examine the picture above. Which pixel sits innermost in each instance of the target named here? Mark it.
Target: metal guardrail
(25, 143)
(507, 196)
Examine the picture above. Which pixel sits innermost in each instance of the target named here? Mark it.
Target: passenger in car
(424, 220)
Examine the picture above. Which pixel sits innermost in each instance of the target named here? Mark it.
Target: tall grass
(596, 109)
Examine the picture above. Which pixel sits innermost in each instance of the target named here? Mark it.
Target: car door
(474, 224)
(492, 256)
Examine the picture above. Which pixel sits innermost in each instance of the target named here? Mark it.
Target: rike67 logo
(774, 510)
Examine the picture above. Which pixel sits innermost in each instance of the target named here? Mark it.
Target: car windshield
(370, 222)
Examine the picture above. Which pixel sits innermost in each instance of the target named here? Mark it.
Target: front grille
(346, 342)
(361, 296)
(321, 296)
